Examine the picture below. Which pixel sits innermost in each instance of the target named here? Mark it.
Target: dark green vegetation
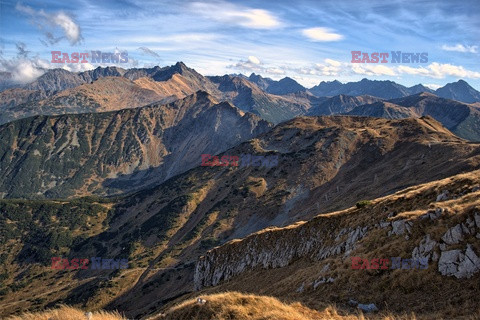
(34, 231)
(363, 203)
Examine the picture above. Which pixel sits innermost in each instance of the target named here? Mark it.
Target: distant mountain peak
(181, 66)
(285, 86)
(460, 90)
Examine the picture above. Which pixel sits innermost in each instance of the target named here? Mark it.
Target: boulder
(443, 196)
(367, 307)
(459, 264)
(453, 235)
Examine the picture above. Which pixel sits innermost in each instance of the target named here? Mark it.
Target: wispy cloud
(237, 15)
(439, 71)
(373, 70)
(460, 48)
(322, 34)
(176, 38)
(45, 21)
(149, 52)
(329, 68)
(335, 68)
(251, 64)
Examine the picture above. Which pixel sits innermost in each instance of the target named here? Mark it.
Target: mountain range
(108, 163)
(325, 164)
(274, 101)
(50, 122)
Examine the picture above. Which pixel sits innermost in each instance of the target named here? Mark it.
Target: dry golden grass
(239, 306)
(68, 313)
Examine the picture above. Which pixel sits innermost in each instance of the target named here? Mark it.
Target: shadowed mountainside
(104, 153)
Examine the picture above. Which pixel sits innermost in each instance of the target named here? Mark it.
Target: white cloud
(276, 71)
(323, 70)
(334, 63)
(253, 64)
(415, 71)
(322, 34)
(253, 60)
(373, 70)
(78, 67)
(460, 48)
(438, 71)
(70, 28)
(432, 86)
(43, 21)
(334, 68)
(235, 14)
(23, 69)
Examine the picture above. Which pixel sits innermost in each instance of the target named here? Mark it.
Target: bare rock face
(399, 227)
(272, 249)
(425, 249)
(459, 263)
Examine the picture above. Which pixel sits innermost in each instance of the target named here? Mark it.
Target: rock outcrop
(329, 235)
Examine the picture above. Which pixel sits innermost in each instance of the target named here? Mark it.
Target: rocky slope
(105, 94)
(249, 97)
(56, 80)
(341, 104)
(438, 222)
(285, 86)
(60, 92)
(326, 163)
(106, 153)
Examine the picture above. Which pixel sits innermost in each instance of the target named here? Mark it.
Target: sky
(309, 41)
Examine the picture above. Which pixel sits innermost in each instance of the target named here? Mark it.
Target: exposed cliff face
(438, 222)
(274, 249)
(104, 153)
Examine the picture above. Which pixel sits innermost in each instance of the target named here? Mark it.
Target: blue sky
(310, 41)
